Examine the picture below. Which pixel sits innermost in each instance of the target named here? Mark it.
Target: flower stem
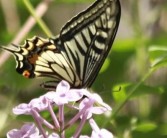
(118, 108)
(77, 116)
(83, 120)
(36, 118)
(61, 120)
(55, 120)
(39, 21)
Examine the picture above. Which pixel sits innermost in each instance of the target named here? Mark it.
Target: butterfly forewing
(88, 37)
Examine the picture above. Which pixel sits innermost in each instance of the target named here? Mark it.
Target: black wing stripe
(61, 65)
(92, 63)
(69, 53)
(86, 36)
(81, 49)
(75, 57)
(81, 42)
(85, 18)
(42, 59)
(92, 30)
(57, 64)
(113, 18)
(41, 63)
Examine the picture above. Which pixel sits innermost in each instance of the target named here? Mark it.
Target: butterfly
(77, 53)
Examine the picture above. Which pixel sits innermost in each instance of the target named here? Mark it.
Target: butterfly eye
(26, 73)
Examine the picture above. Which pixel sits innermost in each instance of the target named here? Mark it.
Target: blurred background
(140, 46)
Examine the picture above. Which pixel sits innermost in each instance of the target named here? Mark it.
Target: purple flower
(99, 133)
(54, 135)
(90, 102)
(63, 94)
(87, 108)
(38, 104)
(22, 109)
(27, 131)
(33, 108)
(61, 97)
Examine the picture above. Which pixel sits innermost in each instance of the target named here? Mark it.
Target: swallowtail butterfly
(77, 53)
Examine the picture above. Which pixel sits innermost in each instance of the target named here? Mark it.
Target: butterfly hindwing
(50, 62)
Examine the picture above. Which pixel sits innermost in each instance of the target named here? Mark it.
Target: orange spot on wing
(33, 59)
(26, 74)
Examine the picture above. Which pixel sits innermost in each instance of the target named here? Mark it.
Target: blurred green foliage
(144, 113)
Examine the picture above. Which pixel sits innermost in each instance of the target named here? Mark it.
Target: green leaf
(124, 45)
(126, 87)
(146, 90)
(163, 129)
(146, 127)
(105, 65)
(158, 55)
(119, 95)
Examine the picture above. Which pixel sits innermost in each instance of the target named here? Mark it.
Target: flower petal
(98, 110)
(63, 86)
(99, 133)
(28, 130)
(75, 95)
(54, 135)
(22, 109)
(39, 104)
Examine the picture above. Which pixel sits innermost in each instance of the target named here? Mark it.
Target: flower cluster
(80, 100)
